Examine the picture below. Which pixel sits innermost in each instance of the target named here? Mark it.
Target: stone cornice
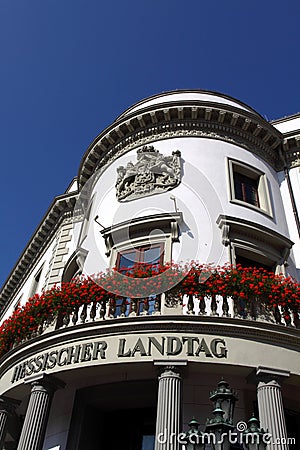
(254, 229)
(183, 118)
(60, 207)
(291, 149)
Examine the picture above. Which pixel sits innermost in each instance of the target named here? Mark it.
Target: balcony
(201, 293)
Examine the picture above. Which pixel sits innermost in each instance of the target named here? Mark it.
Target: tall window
(128, 260)
(35, 282)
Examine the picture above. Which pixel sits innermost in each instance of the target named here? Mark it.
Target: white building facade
(179, 177)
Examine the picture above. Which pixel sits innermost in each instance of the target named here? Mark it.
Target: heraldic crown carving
(153, 173)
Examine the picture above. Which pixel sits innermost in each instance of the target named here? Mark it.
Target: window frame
(139, 260)
(237, 168)
(146, 230)
(136, 244)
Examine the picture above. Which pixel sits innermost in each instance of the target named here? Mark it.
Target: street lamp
(253, 437)
(194, 437)
(221, 426)
(224, 398)
(218, 430)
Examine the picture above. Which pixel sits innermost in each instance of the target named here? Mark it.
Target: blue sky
(69, 67)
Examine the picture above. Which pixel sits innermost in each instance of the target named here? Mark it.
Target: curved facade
(180, 177)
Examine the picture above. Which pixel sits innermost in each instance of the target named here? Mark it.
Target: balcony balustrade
(213, 306)
(226, 293)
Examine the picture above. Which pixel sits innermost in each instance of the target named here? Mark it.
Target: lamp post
(218, 430)
(194, 437)
(224, 397)
(253, 437)
(220, 427)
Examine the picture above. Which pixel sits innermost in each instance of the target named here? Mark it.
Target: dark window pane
(246, 189)
(247, 262)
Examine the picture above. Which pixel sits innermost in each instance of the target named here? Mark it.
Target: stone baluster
(75, 315)
(102, 310)
(202, 306)
(214, 306)
(157, 304)
(123, 307)
(190, 305)
(66, 319)
(270, 405)
(296, 319)
(145, 310)
(134, 305)
(35, 422)
(277, 315)
(225, 307)
(83, 314)
(93, 310)
(168, 421)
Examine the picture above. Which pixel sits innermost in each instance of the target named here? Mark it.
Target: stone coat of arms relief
(153, 173)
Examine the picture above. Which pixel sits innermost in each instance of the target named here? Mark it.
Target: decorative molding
(153, 173)
(254, 237)
(267, 374)
(183, 118)
(128, 230)
(291, 150)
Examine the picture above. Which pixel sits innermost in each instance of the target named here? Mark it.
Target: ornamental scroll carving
(153, 173)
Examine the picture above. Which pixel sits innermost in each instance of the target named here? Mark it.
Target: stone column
(7, 408)
(168, 420)
(270, 406)
(34, 427)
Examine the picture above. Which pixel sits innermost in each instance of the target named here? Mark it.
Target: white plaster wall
(203, 194)
(287, 125)
(295, 182)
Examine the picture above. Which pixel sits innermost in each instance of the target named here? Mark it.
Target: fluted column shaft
(34, 427)
(168, 410)
(4, 413)
(271, 412)
(7, 408)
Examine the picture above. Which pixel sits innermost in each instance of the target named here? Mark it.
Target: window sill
(253, 207)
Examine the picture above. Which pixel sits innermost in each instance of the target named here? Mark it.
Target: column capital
(270, 375)
(45, 382)
(170, 367)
